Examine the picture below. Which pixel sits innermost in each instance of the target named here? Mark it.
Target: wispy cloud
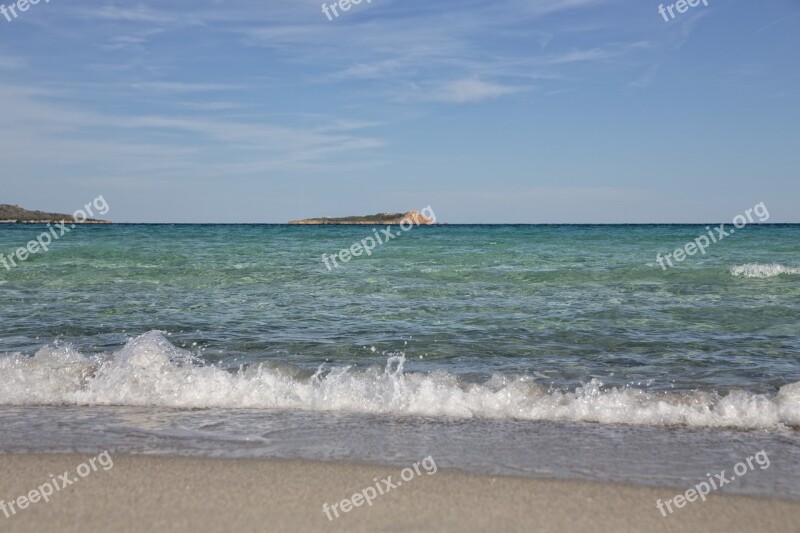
(164, 143)
(139, 13)
(473, 90)
(184, 87)
(645, 80)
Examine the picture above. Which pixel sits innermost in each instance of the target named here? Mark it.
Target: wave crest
(149, 371)
(757, 270)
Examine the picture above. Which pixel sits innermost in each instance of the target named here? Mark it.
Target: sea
(543, 351)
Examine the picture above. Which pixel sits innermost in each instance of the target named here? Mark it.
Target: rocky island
(14, 214)
(414, 217)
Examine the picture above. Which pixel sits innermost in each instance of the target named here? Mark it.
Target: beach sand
(154, 494)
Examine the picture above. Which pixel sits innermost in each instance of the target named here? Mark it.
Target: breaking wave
(149, 371)
(757, 270)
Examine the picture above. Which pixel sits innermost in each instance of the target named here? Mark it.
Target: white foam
(149, 371)
(757, 270)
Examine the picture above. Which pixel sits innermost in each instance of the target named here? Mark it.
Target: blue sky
(489, 111)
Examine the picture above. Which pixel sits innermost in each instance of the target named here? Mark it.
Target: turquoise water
(534, 350)
(563, 304)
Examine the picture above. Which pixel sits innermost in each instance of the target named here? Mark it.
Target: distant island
(414, 217)
(14, 214)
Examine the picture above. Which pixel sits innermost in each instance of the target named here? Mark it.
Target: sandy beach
(399, 266)
(185, 494)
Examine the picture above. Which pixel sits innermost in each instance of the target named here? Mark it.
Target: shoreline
(155, 493)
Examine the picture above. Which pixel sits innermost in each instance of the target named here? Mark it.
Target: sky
(489, 111)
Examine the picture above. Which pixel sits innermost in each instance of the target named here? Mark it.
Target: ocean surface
(543, 351)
